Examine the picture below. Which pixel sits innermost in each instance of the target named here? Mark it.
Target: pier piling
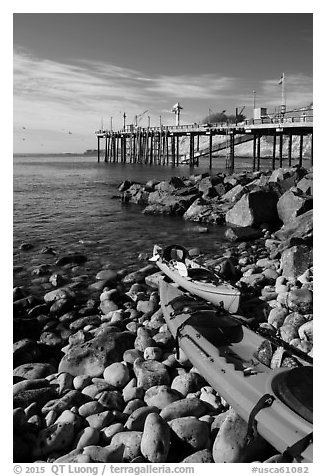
(161, 145)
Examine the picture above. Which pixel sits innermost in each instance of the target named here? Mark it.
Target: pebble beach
(96, 375)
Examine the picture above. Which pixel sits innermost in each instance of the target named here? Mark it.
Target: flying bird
(69, 132)
(23, 127)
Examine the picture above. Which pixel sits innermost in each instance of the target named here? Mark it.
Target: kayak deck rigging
(224, 351)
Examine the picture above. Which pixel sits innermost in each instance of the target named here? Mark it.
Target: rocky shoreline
(97, 379)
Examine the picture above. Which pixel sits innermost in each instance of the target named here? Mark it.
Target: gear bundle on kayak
(175, 263)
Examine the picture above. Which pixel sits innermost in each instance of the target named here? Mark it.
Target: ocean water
(66, 203)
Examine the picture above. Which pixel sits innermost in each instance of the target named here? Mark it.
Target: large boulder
(206, 188)
(299, 228)
(234, 194)
(285, 178)
(92, 357)
(253, 209)
(305, 185)
(242, 234)
(296, 260)
(291, 205)
(202, 211)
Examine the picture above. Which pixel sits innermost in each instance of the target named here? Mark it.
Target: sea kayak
(173, 261)
(277, 403)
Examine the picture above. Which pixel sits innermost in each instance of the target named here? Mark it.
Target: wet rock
(85, 321)
(130, 392)
(164, 339)
(67, 401)
(130, 355)
(143, 339)
(57, 437)
(157, 320)
(154, 279)
(26, 246)
(153, 353)
(41, 270)
(299, 228)
(306, 331)
(160, 396)
(234, 194)
(201, 211)
(290, 205)
(51, 339)
(26, 351)
(81, 381)
(300, 300)
(75, 258)
(202, 456)
(74, 456)
(139, 276)
(107, 275)
(230, 442)
(288, 333)
(94, 389)
(242, 234)
(253, 209)
(188, 383)
(137, 418)
(92, 357)
(30, 384)
(108, 432)
(277, 316)
(126, 445)
(90, 408)
(88, 436)
(182, 408)
(192, 434)
(133, 405)
(108, 306)
(117, 374)
(151, 373)
(296, 260)
(35, 370)
(305, 185)
(41, 396)
(295, 319)
(60, 293)
(111, 399)
(155, 442)
(265, 352)
(100, 420)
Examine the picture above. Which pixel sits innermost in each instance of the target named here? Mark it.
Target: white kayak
(195, 279)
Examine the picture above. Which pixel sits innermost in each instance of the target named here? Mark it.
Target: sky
(73, 72)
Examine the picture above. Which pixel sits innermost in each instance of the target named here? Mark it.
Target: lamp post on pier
(176, 109)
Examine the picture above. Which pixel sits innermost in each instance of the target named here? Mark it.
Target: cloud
(46, 92)
(298, 90)
(204, 86)
(52, 96)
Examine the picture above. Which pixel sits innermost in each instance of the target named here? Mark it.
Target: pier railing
(194, 127)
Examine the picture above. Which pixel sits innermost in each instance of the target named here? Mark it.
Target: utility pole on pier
(282, 83)
(124, 121)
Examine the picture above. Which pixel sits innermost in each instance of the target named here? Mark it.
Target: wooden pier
(161, 145)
